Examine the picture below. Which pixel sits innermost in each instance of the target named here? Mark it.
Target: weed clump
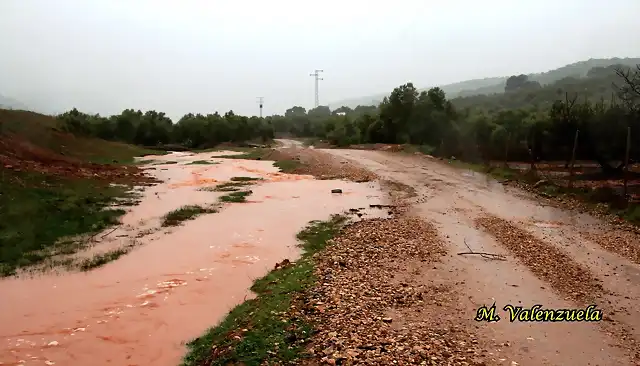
(202, 162)
(184, 213)
(238, 196)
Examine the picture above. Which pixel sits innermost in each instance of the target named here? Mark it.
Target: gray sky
(201, 56)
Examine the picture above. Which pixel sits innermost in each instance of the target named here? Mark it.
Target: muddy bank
(178, 280)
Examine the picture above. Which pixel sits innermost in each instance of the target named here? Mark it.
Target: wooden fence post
(573, 158)
(626, 162)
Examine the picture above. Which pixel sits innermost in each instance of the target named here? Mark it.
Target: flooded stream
(178, 281)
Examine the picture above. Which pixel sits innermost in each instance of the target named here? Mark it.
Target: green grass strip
(258, 331)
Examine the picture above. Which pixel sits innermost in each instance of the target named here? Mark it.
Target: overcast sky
(201, 56)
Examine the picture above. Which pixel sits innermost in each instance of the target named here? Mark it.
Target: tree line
(529, 121)
(152, 128)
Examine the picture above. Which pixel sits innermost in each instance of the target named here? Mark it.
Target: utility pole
(260, 101)
(317, 78)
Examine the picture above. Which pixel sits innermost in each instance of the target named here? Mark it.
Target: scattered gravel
(545, 260)
(372, 306)
(625, 243)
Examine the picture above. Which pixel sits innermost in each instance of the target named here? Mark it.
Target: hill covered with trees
(493, 85)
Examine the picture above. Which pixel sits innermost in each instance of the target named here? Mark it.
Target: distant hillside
(494, 85)
(9, 103)
(30, 131)
(596, 86)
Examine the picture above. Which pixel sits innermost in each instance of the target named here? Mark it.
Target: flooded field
(179, 279)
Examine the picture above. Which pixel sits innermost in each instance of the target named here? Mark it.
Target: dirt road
(554, 258)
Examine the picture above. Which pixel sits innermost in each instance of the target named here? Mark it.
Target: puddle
(140, 309)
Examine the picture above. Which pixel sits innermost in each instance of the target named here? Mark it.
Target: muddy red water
(140, 309)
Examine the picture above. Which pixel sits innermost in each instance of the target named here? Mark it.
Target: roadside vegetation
(258, 331)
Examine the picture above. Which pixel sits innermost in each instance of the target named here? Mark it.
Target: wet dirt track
(584, 273)
(140, 309)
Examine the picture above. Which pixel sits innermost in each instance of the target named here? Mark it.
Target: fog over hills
(492, 85)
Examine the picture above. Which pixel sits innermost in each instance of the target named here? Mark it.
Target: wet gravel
(371, 305)
(545, 260)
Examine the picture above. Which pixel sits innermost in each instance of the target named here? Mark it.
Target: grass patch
(632, 214)
(184, 213)
(258, 331)
(247, 153)
(145, 162)
(244, 179)
(101, 259)
(287, 166)
(226, 187)
(202, 162)
(237, 196)
(166, 163)
(236, 184)
(38, 211)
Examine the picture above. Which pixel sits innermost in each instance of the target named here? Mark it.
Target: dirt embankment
(18, 155)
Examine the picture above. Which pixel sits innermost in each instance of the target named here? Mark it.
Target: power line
(260, 101)
(317, 78)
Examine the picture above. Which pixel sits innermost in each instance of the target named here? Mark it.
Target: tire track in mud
(565, 276)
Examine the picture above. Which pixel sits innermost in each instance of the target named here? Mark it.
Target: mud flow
(178, 280)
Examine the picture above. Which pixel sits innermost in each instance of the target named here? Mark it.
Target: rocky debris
(336, 190)
(545, 260)
(625, 243)
(370, 308)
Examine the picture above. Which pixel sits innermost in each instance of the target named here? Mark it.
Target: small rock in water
(337, 190)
